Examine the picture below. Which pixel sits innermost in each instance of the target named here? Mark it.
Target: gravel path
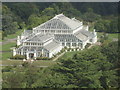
(58, 56)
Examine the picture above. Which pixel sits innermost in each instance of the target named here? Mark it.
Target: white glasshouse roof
(40, 37)
(52, 46)
(60, 22)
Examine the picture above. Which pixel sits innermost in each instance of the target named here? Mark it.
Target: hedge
(18, 57)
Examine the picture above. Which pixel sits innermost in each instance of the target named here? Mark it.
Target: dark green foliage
(87, 69)
(13, 80)
(25, 64)
(9, 23)
(102, 8)
(29, 15)
(90, 16)
(112, 52)
(103, 38)
(24, 10)
(107, 25)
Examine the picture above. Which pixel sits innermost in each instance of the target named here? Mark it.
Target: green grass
(36, 63)
(0, 36)
(13, 35)
(7, 47)
(113, 35)
(69, 54)
(99, 34)
(10, 62)
(6, 55)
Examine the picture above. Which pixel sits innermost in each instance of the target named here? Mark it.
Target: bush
(18, 57)
(88, 44)
(69, 49)
(7, 69)
(25, 64)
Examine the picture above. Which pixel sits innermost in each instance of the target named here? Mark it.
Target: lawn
(10, 62)
(36, 63)
(7, 47)
(0, 36)
(13, 35)
(8, 53)
(69, 54)
(113, 36)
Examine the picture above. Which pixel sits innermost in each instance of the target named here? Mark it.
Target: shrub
(69, 49)
(18, 57)
(25, 64)
(7, 69)
(88, 44)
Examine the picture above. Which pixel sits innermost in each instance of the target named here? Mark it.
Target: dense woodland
(97, 67)
(91, 68)
(17, 16)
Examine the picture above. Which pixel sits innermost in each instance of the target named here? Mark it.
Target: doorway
(31, 55)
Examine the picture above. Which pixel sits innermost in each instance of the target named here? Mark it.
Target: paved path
(58, 56)
(97, 43)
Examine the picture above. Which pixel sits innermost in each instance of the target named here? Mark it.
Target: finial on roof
(73, 17)
(56, 16)
(59, 15)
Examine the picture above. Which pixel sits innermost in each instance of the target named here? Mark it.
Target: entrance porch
(31, 55)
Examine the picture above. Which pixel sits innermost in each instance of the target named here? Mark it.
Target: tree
(13, 80)
(90, 16)
(48, 11)
(112, 52)
(85, 65)
(9, 25)
(114, 25)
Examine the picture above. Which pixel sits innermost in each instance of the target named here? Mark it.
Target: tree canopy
(28, 15)
(90, 68)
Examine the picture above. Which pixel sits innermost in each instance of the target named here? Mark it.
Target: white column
(74, 49)
(14, 52)
(27, 55)
(65, 43)
(22, 37)
(50, 55)
(94, 40)
(77, 44)
(87, 27)
(35, 55)
(21, 51)
(83, 45)
(18, 41)
(42, 52)
(94, 32)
